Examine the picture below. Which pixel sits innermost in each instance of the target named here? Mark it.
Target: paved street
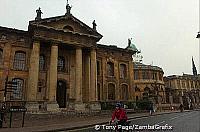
(179, 122)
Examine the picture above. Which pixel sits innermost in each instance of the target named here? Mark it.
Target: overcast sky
(164, 30)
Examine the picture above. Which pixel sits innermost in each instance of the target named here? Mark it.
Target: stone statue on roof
(131, 46)
(94, 25)
(68, 8)
(39, 13)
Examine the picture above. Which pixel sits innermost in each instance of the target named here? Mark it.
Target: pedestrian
(181, 107)
(151, 108)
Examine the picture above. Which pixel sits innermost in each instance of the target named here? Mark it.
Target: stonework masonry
(58, 64)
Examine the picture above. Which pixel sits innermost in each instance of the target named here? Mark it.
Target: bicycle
(119, 124)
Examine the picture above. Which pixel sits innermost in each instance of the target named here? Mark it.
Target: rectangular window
(123, 71)
(136, 75)
(19, 60)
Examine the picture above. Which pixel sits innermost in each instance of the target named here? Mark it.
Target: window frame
(110, 69)
(111, 92)
(19, 62)
(18, 89)
(123, 70)
(42, 66)
(61, 65)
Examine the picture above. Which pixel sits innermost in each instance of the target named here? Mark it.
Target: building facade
(183, 89)
(149, 83)
(115, 73)
(57, 63)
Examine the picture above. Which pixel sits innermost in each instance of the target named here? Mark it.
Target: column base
(96, 106)
(80, 106)
(32, 106)
(84, 107)
(52, 107)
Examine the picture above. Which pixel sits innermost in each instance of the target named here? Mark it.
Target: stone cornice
(113, 48)
(57, 41)
(64, 17)
(45, 28)
(13, 30)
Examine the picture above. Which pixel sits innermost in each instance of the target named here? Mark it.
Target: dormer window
(68, 28)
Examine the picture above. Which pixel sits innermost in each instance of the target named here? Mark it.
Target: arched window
(19, 60)
(42, 63)
(110, 69)
(17, 91)
(124, 92)
(1, 56)
(123, 71)
(61, 64)
(68, 28)
(111, 91)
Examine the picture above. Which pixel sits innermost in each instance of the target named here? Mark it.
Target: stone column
(87, 77)
(93, 75)
(94, 105)
(52, 104)
(33, 77)
(78, 78)
(53, 73)
(33, 72)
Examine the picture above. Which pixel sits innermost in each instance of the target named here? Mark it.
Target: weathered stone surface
(52, 106)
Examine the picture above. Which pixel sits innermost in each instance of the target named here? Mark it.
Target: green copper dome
(131, 46)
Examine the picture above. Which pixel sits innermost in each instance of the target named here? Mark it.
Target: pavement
(63, 123)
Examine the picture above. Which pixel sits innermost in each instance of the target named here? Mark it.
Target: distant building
(183, 89)
(148, 83)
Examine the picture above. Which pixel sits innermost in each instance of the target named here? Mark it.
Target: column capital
(36, 41)
(78, 47)
(93, 48)
(54, 44)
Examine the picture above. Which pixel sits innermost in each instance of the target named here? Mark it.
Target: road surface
(173, 122)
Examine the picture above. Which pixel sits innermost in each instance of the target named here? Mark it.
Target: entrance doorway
(61, 94)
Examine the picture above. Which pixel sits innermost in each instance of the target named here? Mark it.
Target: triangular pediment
(67, 23)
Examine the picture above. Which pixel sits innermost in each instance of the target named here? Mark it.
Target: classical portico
(79, 41)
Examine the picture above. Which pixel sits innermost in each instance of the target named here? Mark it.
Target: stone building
(183, 89)
(57, 63)
(115, 73)
(148, 83)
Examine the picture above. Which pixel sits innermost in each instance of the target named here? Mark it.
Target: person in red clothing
(120, 114)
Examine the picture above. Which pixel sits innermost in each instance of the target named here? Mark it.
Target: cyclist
(120, 114)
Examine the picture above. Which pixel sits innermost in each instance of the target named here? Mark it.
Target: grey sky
(164, 30)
